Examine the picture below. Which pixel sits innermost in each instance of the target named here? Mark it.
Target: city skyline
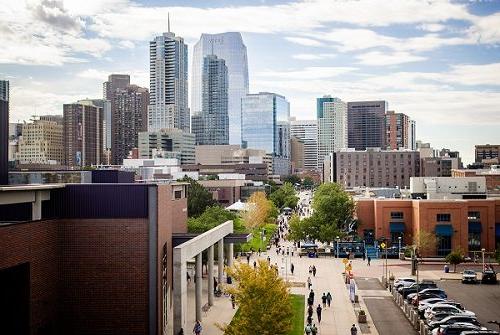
(435, 62)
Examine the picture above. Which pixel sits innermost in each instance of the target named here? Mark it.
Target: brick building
(466, 224)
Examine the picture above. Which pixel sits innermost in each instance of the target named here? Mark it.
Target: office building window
(396, 215)
(443, 217)
(443, 245)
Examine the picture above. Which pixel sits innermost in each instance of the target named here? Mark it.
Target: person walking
(307, 330)
(269, 259)
(314, 271)
(369, 260)
(364, 256)
(215, 285)
(311, 295)
(197, 328)
(248, 258)
(318, 312)
(310, 270)
(254, 264)
(309, 283)
(292, 267)
(328, 298)
(314, 330)
(354, 330)
(323, 299)
(310, 311)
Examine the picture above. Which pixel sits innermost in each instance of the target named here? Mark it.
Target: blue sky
(437, 61)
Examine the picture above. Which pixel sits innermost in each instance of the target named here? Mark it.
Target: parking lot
(484, 300)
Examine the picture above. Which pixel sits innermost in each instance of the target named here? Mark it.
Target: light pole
(482, 253)
(338, 240)
(399, 246)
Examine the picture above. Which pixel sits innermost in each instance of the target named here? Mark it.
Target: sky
(437, 61)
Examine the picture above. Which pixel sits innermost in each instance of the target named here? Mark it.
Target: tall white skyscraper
(332, 127)
(168, 81)
(229, 47)
(307, 130)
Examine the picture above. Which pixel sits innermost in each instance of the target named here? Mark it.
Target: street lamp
(338, 240)
(482, 253)
(399, 246)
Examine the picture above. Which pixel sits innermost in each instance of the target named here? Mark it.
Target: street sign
(382, 245)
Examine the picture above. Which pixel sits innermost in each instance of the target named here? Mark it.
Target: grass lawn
(256, 241)
(298, 314)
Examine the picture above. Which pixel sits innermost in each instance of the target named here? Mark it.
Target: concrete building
(4, 132)
(168, 143)
(307, 130)
(265, 125)
(168, 91)
(229, 47)
(491, 175)
(469, 225)
(211, 124)
(105, 107)
(374, 168)
(366, 120)
(41, 143)
(448, 187)
(297, 154)
(252, 171)
(82, 134)
(154, 169)
(400, 131)
(230, 154)
(228, 191)
(332, 126)
(129, 119)
(488, 154)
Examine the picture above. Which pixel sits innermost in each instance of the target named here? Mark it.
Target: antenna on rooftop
(168, 21)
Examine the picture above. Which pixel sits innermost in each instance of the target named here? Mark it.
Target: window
(473, 216)
(178, 194)
(474, 241)
(396, 215)
(443, 245)
(443, 217)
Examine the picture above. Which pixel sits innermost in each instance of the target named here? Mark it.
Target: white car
(456, 328)
(444, 308)
(405, 282)
(469, 276)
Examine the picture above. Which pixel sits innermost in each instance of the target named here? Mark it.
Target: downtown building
(4, 132)
(82, 134)
(366, 124)
(229, 47)
(41, 143)
(168, 74)
(265, 125)
(307, 131)
(211, 125)
(400, 131)
(167, 143)
(332, 126)
(487, 154)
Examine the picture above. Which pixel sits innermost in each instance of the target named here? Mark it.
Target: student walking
(354, 330)
(310, 311)
(318, 312)
(248, 258)
(292, 267)
(369, 260)
(197, 328)
(309, 283)
(233, 301)
(254, 264)
(311, 296)
(307, 330)
(328, 298)
(314, 330)
(323, 299)
(314, 271)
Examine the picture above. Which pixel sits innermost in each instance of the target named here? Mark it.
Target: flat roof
(31, 187)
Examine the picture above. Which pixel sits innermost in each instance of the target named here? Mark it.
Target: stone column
(198, 286)
(36, 206)
(179, 292)
(220, 255)
(230, 255)
(210, 276)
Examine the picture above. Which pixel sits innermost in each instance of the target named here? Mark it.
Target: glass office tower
(265, 125)
(228, 46)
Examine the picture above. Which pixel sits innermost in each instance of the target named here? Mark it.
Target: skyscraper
(400, 131)
(109, 88)
(168, 93)
(307, 130)
(366, 123)
(211, 126)
(130, 118)
(228, 46)
(332, 126)
(41, 143)
(265, 125)
(82, 134)
(4, 132)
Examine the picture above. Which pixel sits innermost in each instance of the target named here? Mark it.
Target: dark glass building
(366, 124)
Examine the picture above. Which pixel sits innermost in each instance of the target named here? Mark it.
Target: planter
(361, 316)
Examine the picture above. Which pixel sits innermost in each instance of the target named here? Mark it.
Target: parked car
(489, 277)
(427, 293)
(422, 308)
(480, 332)
(444, 308)
(469, 276)
(455, 318)
(454, 329)
(413, 288)
(422, 296)
(437, 317)
(405, 282)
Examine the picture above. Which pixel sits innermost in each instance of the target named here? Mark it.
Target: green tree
(292, 179)
(424, 243)
(284, 196)
(198, 197)
(308, 182)
(211, 218)
(454, 258)
(264, 301)
(332, 207)
(297, 228)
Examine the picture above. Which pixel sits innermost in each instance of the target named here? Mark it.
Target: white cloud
(432, 27)
(486, 29)
(304, 41)
(307, 73)
(94, 74)
(378, 58)
(315, 56)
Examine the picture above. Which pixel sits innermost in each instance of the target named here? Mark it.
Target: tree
(198, 197)
(454, 258)
(259, 211)
(297, 228)
(264, 301)
(292, 179)
(284, 196)
(211, 218)
(424, 242)
(308, 182)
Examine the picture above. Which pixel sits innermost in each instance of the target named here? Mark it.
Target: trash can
(446, 269)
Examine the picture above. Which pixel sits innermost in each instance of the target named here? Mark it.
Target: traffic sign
(382, 245)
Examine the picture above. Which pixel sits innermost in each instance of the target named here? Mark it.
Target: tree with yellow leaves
(264, 302)
(258, 210)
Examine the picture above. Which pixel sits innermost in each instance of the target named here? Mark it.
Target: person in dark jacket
(318, 312)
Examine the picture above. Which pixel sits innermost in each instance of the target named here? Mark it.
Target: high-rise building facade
(488, 154)
(307, 131)
(41, 143)
(82, 134)
(400, 131)
(168, 83)
(332, 126)
(228, 46)
(296, 154)
(211, 125)
(168, 143)
(130, 117)
(265, 125)
(4, 132)
(115, 81)
(366, 124)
